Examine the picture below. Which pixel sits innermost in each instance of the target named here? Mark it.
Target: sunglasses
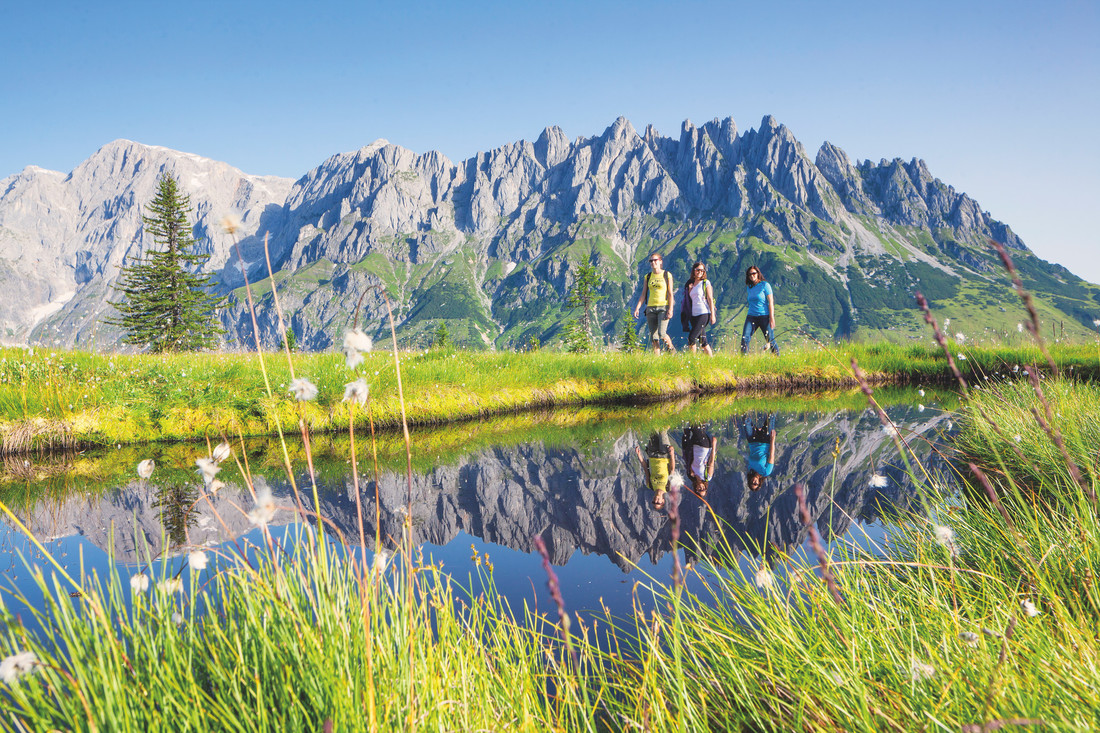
(657, 260)
(700, 269)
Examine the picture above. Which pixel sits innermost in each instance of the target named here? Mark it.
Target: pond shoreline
(73, 400)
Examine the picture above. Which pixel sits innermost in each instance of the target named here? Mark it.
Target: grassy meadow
(58, 398)
(979, 613)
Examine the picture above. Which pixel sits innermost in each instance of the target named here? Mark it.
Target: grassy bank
(976, 615)
(51, 399)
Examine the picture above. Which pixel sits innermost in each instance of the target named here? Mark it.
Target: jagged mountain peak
(518, 215)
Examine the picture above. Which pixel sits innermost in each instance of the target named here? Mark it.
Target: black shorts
(698, 324)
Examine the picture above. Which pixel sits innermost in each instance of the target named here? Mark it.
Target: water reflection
(600, 494)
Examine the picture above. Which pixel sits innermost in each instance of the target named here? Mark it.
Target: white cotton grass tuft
(17, 665)
(352, 358)
(221, 452)
(357, 391)
(764, 579)
(209, 468)
(139, 582)
(169, 586)
(356, 339)
(1020, 327)
(264, 510)
(920, 392)
(920, 408)
(878, 481)
(961, 338)
(145, 468)
(302, 389)
(177, 618)
(945, 536)
(197, 560)
(1029, 608)
(381, 559)
(230, 223)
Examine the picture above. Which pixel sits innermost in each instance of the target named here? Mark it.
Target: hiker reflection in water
(760, 454)
(659, 463)
(700, 450)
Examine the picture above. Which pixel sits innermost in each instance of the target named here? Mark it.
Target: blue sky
(1001, 99)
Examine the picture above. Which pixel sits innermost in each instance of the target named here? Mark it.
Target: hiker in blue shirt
(761, 310)
(760, 453)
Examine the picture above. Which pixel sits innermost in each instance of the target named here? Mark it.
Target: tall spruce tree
(165, 304)
(584, 295)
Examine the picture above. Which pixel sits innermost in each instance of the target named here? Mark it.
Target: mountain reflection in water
(596, 497)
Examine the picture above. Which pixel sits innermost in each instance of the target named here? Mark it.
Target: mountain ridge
(489, 245)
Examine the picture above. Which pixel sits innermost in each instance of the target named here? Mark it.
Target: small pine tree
(584, 295)
(442, 337)
(165, 305)
(577, 338)
(291, 339)
(630, 341)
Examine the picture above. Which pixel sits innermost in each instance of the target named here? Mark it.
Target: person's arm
(668, 290)
(671, 460)
(771, 448)
(710, 461)
(645, 291)
(710, 302)
(771, 310)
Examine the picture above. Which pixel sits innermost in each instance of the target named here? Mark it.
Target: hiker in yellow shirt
(657, 296)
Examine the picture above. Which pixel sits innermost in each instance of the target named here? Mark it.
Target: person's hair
(749, 476)
(750, 269)
(699, 486)
(691, 273)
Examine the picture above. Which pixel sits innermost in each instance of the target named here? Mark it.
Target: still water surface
(583, 480)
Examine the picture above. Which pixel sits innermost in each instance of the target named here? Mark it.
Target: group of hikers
(700, 450)
(697, 308)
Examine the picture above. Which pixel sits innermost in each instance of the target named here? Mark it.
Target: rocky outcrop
(64, 237)
(500, 233)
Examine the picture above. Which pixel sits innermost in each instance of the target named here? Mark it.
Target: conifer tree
(165, 304)
(584, 295)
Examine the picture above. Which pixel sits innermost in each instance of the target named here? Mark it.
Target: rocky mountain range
(590, 498)
(489, 246)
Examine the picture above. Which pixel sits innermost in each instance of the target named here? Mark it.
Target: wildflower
(969, 638)
(17, 665)
(352, 358)
(1096, 322)
(139, 583)
(302, 389)
(920, 408)
(946, 322)
(921, 671)
(946, 537)
(145, 468)
(356, 339)
(878, 481)
(920, 392)
(1020, 327)
(357, 391)
(208, 468)
(764, 579)
(197, 560)
(1017, 438)
(1015, 368)
(222, 452)
(230, 224)
(170, 586)
(381, 559)
(264, 511)
(960, 338)
(1029, 608)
